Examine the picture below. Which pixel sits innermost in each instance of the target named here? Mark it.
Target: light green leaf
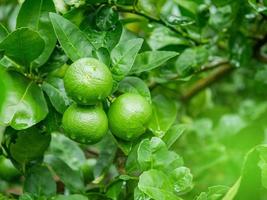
(164, 114)
(73, 41)
(173, 134)
(191, 59)
(157, 185)
(123, 56)
(3, 32)
(149, 60)
(22, 103)
(54, 88)
(134, 85)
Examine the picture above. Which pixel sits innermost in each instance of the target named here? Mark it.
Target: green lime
(85, 124)
(7, 169)
(129, 115)
(88, 81)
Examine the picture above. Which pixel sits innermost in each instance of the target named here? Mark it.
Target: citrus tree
(133, 99)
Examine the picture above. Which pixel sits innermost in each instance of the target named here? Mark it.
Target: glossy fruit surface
(88, 81)
(129, 115)
(85, 124)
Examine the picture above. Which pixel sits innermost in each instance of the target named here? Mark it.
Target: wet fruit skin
(7, 170)
(129, 115)
(85, 124)
(88, 81)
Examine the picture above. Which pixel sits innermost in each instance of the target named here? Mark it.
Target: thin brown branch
(201, 84)
(258, 50)
(204, 68)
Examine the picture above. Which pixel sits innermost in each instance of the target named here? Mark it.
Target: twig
(204, 68)
(201, 84)
(158, 21)
(257, 50)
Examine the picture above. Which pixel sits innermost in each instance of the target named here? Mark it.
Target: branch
(257, 50)
(204, 68)
(201, 84)
(158, 21)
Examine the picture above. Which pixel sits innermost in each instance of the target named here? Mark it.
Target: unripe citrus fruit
(85, 124)
(129, 115)
(7, 169)
(88, 81)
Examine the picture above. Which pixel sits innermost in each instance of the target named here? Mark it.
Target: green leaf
(214, 193)
(123, 56)
(106, 157)
(35, 15)
(106, 18)
(191, 60)
(30, 144)
(107, 39)
(39, 182)
(23, 46)
(134, 85)
(173, 134)
(73, 41)
(252, 181)
(156, 185)
(71, 197)
(149, 60)
(115, 190)
(3, 32)
(139, 195)
(54, 88)
(67, 150)
(71, 178)
(182, 180)
(162, 36)
(154, 154)
(22, 103)
(164, 114)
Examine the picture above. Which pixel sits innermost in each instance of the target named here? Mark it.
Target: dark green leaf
(67, 150)
(39, 182)
(30, 144)
(35, 15)
(106, 39)
(71, 178)
(106, 18)
(71, 197)
(106, 156)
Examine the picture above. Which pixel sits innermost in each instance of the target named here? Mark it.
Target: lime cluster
(88, 82)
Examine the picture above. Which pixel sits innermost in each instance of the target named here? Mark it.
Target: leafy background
(202, 63)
